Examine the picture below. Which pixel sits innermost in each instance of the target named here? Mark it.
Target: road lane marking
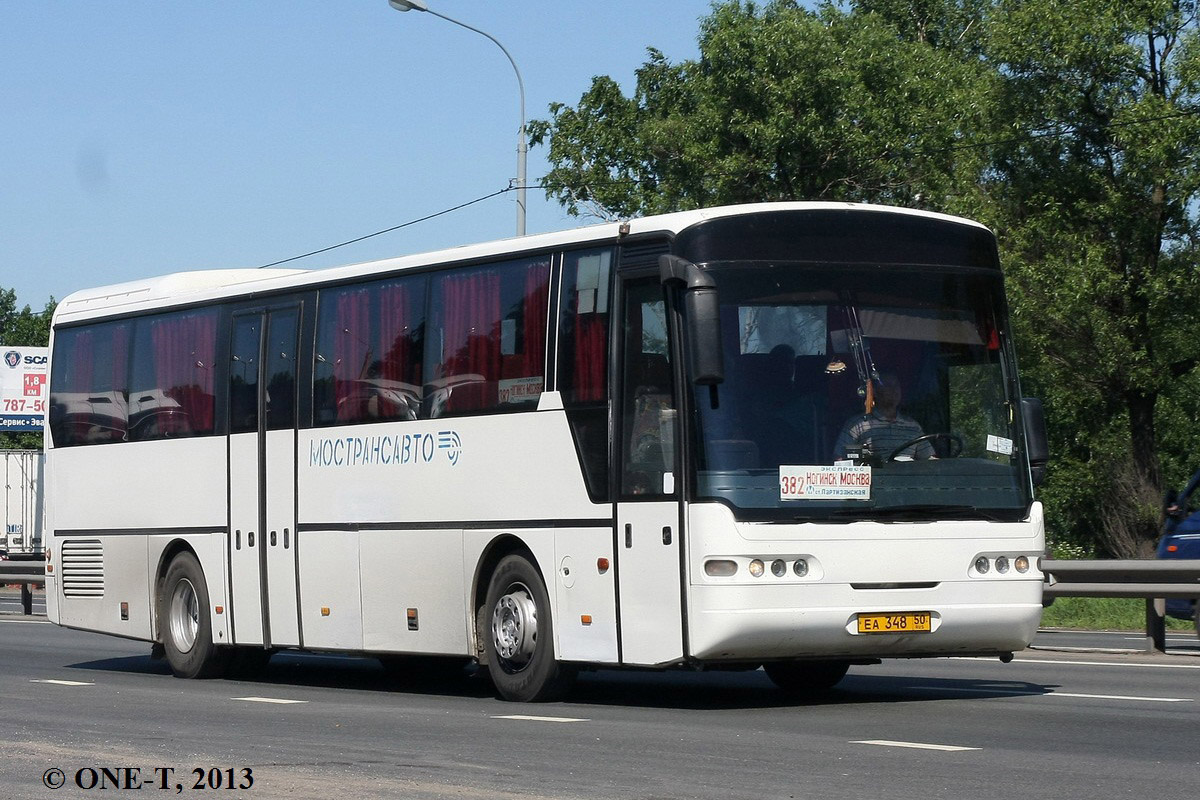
(1123, 697)
(945, 748)
(1077, 695)
(26, 621)
(1104, 664)
(278, 700)
(528, 718)
(63, 683)
(1061, 662)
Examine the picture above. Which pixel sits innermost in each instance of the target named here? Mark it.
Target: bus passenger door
(262, 477)
(649, 578)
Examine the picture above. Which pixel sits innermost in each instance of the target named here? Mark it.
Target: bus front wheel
(519, 635)
(806, 677)
(184, 624)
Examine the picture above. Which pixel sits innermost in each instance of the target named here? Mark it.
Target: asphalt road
(1055, 723)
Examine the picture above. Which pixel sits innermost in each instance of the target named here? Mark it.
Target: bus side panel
(495, 468)
(331, 608)
(104, 503)
(403, 573)
(585, 595)
(172, 483)
(121, 578)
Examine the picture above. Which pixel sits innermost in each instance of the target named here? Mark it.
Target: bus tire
(806, 677)
(519, 635)
(184, 621)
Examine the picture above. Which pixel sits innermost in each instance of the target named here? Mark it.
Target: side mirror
(702, 316)
(1033, 420)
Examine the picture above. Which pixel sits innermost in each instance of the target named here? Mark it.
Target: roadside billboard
(23, 380)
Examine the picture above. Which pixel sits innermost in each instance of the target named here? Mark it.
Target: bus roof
(185, 288)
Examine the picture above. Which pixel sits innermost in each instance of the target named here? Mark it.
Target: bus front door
(648, 543)
(262, 477)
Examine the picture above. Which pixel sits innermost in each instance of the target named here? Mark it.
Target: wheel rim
(514, 628)
(184, 615)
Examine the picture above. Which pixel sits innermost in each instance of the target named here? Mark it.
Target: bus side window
(88, 400)
(583, 361)
(172, 393)
(487, 341)
(370, 349)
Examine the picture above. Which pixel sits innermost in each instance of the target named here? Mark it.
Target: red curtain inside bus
(471, 340)
(183, 400)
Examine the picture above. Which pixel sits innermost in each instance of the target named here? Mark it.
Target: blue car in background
(1181, 539)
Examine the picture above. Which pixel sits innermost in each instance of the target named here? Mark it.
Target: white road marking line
(1060, 662)
(1105, 664)
(64, 683)
(277, 700)
(945, 748)
(26, 621)
(1123, 697)
(1018, 693)
(528, 718)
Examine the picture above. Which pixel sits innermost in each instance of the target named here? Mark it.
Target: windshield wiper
(918, 511)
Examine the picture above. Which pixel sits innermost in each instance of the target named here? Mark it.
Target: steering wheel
(956, 444)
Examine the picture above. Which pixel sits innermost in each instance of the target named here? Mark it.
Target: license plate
(910, 622)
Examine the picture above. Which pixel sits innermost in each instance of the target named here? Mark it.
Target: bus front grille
(83, 568)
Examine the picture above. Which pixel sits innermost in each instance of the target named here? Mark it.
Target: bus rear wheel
(519, 635)
(806, 677)
(184, 624)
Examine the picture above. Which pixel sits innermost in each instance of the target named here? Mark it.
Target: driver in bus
(884, 429)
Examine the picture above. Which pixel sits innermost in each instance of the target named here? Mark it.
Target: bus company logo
(12, 358)
(452, 444)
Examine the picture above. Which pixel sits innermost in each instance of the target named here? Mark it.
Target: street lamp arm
(503, 49)
(522, 144)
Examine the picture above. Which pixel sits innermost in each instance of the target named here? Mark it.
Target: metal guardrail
(1153, 580)
(26, 573)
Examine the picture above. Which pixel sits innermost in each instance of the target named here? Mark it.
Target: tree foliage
(783, 103)
(1073, 129)
(1093, 192)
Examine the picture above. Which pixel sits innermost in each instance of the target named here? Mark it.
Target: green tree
(23, 328)
(783, 103)
(1093, 191)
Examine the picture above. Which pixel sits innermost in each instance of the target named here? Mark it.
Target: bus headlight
(779, 568)
(1022, 564)
(757, 567)
(800, 567)
(1002, 564)
(982, 565)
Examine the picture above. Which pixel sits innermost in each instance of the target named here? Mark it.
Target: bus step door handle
(667, 535)
(286, 537)
(628, 534)
(250, 538)
(237, 539)
(273, 540)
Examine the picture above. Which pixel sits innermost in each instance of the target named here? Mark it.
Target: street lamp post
(522, 146)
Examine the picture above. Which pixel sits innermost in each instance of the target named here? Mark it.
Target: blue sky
(142, 137)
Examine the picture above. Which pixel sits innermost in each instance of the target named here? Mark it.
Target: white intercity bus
(628, 445)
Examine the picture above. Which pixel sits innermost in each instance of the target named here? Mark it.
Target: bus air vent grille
(83, 568)
(643, 254)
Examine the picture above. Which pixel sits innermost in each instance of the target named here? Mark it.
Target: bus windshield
(861, 391)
